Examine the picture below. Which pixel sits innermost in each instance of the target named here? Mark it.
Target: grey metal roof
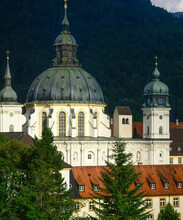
(21, 136)
(65, 38)
(7, 94)
(156, 86)
(65, 85)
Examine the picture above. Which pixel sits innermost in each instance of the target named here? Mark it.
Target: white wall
(147, 152)
(11, 115)
(94, 127)
(154, 118)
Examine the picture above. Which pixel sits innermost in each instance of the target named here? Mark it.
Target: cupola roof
(7, 94)
(156, 86)
(66, 81)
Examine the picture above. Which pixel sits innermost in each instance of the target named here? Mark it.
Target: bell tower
(156, 108)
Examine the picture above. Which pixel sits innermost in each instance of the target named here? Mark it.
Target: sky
(169, 5)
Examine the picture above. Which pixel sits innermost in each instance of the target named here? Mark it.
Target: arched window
(127, 121)
(138, 155)
(160, 130)
(147, 129)
(11, 128)
(44, 120)
(62, 124)
(75, 157)
(81, 124)
(91, 157)
(123, 121)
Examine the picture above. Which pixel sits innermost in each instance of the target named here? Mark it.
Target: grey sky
(169, 5)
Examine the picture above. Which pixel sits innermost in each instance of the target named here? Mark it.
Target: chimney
(177, 122)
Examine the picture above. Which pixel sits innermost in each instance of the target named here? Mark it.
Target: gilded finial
(65, 22)
(65, 6)
(156, 60)
(7, 54)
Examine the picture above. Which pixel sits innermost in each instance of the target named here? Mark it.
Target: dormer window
(152, 185)
(95, 188)
(179, 185)
(81, 188)
(166, 185)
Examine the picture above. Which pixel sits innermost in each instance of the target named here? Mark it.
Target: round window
(161, 117)
(11, 114)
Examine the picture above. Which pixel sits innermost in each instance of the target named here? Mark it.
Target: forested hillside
(117, 44)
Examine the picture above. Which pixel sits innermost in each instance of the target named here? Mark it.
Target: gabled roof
(21, 136)
(66, 165)
(158, 174)
(123, 110)
(177, 136)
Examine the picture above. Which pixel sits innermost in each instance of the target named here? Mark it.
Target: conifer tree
(119, 199)
(168, 213)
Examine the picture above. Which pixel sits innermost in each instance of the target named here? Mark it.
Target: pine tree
(168, 213)
(118, 199)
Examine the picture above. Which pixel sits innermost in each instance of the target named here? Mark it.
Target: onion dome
(66, 81)
(156, 86)
(7, 94)
(156, 93)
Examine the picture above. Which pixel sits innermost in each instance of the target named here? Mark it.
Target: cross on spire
(156, 59)
(7, 54)
(65, 6)
(65, 22)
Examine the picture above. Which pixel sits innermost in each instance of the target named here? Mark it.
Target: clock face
(160, 101)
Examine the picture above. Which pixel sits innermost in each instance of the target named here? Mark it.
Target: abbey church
(70, 102)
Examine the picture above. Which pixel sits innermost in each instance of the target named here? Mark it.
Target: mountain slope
(117, 44)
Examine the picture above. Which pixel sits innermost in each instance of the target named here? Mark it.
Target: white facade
(96, 123)
(156, 123)
(156, 203)
(11, 118)
(95, 152)
(122, 125)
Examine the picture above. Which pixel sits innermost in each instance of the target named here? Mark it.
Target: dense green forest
(117, 44)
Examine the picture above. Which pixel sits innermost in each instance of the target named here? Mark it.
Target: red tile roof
(158, 174)
(173, 125)
(138, 126)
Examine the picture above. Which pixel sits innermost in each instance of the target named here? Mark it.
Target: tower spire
(7, 75)
(65, 22)
(156, 72)
(7, 94)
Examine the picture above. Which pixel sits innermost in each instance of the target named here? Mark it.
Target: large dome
(65, 85)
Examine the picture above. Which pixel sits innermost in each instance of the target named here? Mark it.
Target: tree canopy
(31, 185)
(168, 213)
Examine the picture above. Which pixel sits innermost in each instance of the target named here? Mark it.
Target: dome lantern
(65, 45)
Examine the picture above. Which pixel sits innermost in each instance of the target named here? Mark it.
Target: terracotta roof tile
(149, 174)
(138, 126)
